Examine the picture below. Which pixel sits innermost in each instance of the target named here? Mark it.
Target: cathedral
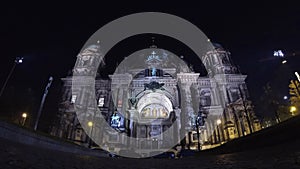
(155, 92)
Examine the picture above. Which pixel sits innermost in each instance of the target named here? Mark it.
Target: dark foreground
(15, 156)
(277, 147)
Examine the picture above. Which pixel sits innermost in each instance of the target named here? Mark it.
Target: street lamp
(293, 109)
(18, 60)
(90, 124)
(298, 76)
(218, 123)
(42, 103)
(24, 116)
(198, 133)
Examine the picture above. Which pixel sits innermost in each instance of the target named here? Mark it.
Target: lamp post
(218, 123)
(90, 124)
(42, 102)
(24, 116)
(298, 76)
(198, 134)
(18, 60)
(293, 109)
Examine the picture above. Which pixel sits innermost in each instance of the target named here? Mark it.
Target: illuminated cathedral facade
(209, 110)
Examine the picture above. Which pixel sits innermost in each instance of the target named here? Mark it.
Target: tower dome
(217, 46)
(219, 61)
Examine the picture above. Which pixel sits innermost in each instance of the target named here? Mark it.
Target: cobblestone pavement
(18, 156)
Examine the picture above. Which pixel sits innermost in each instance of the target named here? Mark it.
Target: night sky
(49, 37)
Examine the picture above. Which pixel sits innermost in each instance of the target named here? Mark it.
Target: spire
(153, 43)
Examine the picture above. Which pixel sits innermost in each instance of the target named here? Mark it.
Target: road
(277, 147)
(18, 156)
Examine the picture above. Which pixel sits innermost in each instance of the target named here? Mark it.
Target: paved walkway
(18, 156)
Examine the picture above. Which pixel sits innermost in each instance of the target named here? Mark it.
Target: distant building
(216, 105)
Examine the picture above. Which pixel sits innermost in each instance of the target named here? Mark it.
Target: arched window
(205, 98)
(234, 94)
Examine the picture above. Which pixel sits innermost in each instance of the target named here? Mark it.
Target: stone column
(185, 81)
(177, 124)
(132, 123)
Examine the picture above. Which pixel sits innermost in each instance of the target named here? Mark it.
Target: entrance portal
(154, 118)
